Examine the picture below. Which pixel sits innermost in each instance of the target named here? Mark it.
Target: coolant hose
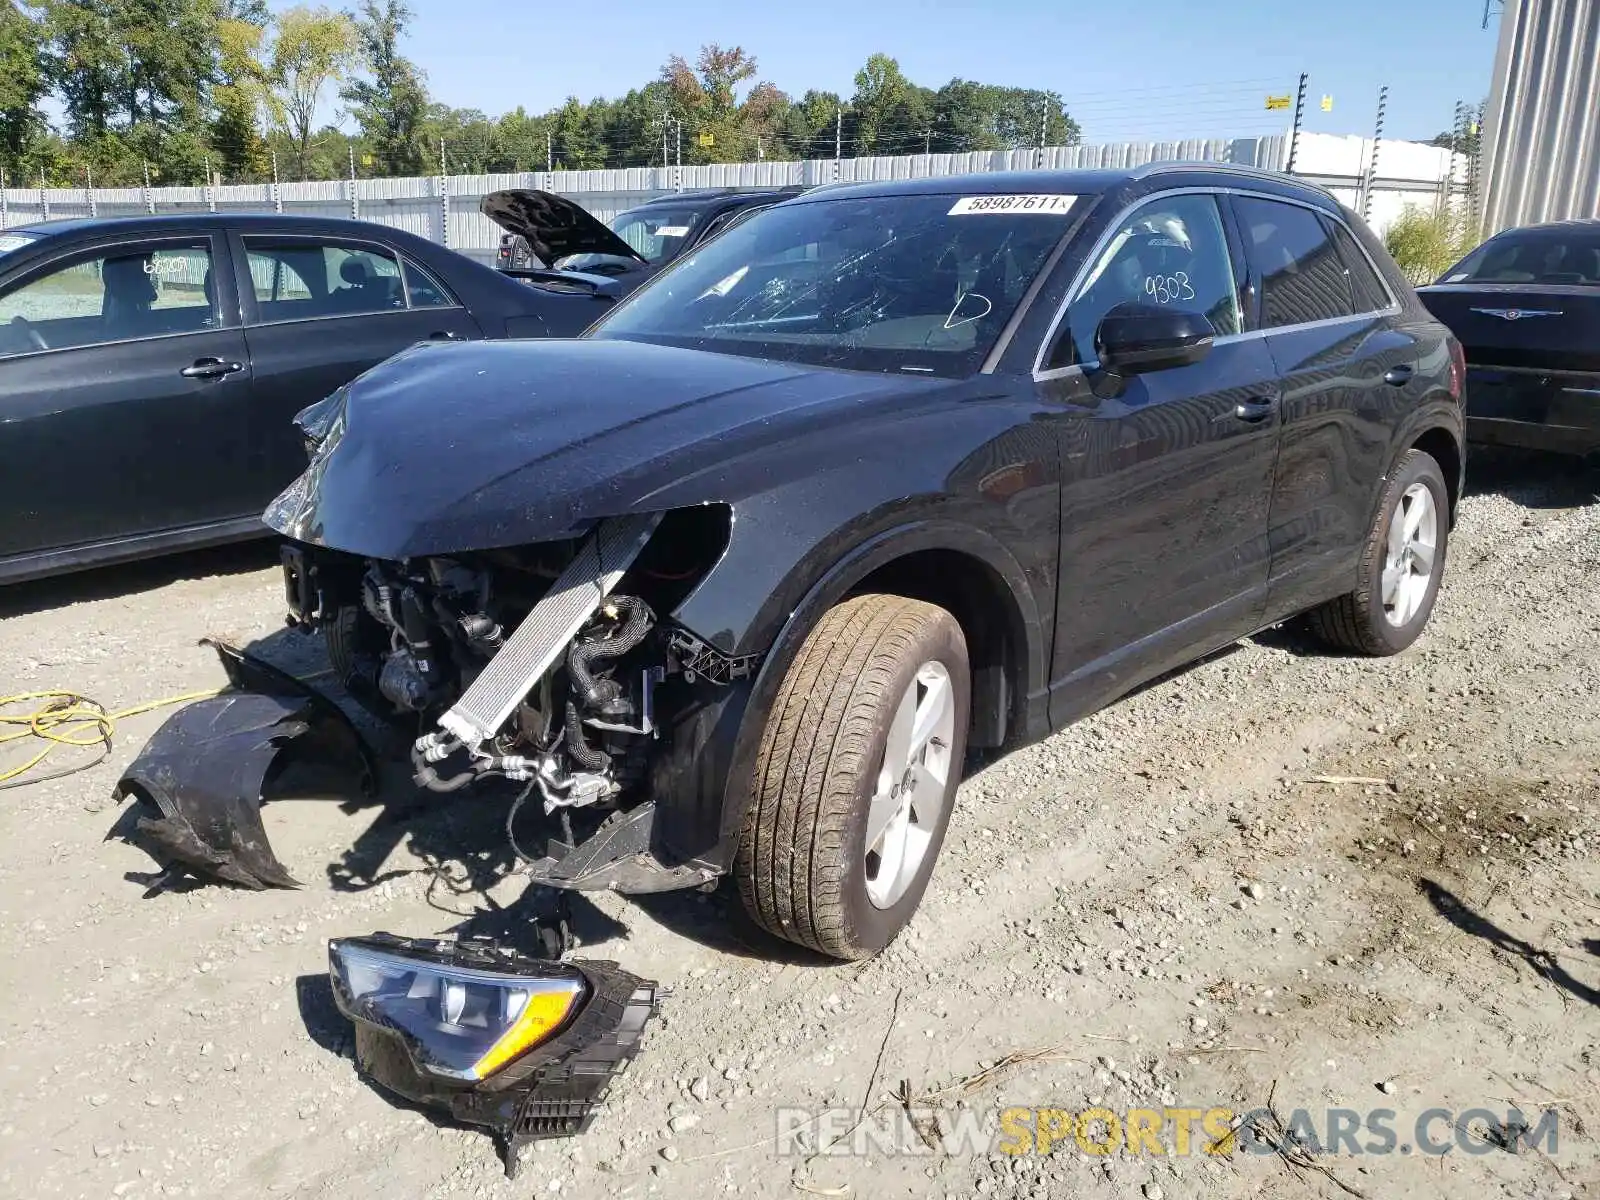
(585, 755)
(596, 693)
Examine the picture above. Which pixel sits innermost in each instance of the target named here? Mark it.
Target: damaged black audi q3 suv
(734, 582)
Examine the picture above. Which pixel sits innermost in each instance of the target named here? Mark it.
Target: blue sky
(1146, 68)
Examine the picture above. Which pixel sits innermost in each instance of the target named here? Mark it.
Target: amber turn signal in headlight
(458, 1022)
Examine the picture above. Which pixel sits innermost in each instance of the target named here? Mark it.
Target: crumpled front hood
(452, 447)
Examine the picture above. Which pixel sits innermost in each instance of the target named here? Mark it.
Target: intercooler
(544, 633)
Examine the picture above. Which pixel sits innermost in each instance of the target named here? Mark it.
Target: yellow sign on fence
(1277, 102)
(707, 139)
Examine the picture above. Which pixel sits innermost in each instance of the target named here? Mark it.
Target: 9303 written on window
(1170, 253)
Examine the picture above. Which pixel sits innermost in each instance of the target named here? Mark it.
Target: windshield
(885, 283)
(14, 241)
(1565, 254)
(656, 233)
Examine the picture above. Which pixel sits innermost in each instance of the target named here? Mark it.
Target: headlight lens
(458, 1022)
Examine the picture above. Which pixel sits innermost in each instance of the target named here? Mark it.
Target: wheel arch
(1444, 448)
(941, 563)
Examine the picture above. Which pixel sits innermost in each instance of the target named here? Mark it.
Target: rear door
(1349, 371)
(318, 312)
(1164, 486)
(124, 394)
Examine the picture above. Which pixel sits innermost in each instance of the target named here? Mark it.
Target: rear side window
(1300, 274)
(1365, 287)
(297, 281)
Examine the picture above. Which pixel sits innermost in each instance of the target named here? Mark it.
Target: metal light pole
(88, 178)
(838, 141)
(5, 206)
(355, 205)
(277, 188)
(677, 182)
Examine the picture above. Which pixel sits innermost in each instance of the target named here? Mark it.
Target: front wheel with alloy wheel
(1402, 563)
(856, 776)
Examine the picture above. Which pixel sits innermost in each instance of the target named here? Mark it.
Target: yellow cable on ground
(62, 721)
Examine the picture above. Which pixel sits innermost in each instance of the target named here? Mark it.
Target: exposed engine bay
(548, 665)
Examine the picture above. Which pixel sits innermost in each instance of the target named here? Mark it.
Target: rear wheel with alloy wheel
(1401, 565)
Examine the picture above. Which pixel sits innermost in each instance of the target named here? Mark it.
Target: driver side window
(131, 291)
(1169, 253)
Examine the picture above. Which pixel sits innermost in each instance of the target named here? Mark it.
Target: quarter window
(1302, 277)
(296, 281)
(426, 291)
(1170, 253)
(114, 296)
(1365, 287)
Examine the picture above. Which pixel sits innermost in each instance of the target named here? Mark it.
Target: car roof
(1569, 225)
(1075, 182)
(154, 221)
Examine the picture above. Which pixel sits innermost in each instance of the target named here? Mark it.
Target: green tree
(22, 84)
(86, 64)
(390, 102)
(518, 142)
(313, 47)
(238, 96)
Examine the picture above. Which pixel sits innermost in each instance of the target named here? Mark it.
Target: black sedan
(731, 582)
(1526, 306)
(150, 366)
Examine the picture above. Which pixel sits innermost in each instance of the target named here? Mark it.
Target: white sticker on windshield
(672, 231)
(1457, 277)
(13, 241)
(972, 205)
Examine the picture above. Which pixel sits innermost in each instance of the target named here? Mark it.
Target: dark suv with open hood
(556, 243)
(732, 584)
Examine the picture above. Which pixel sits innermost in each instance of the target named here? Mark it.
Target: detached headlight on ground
(522, 1045)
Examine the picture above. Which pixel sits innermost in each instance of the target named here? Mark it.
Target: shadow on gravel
(1453, 909)
(1531, 479)
(321, 1016)
(102, 583)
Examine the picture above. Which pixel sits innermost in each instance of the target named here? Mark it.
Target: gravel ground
(1163, 906)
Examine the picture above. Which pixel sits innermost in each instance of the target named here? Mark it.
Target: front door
(125, 396)
(1166, 484)
(318, 312)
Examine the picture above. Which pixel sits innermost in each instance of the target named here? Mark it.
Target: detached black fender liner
(198, 782)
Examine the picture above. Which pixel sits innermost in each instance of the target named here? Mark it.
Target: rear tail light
(1458, 370)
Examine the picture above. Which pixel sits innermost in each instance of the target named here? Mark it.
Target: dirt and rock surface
(1167, 905)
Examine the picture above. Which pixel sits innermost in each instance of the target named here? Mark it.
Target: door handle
(1399, 376)
(210, 368)
(1255, 411)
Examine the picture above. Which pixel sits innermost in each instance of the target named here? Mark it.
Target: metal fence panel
(1410, 173)
(1541, 133)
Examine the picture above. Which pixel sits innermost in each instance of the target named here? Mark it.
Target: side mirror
(1136, 338)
